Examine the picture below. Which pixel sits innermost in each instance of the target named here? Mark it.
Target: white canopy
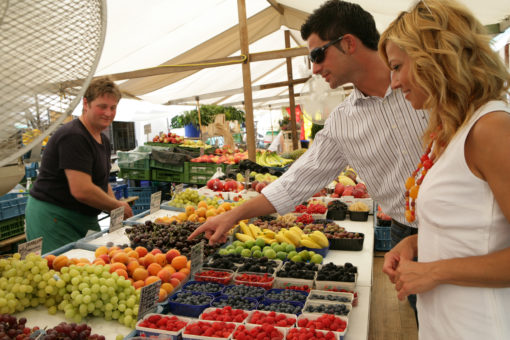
(147, 34)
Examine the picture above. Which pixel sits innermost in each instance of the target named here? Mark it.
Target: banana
(269, 233)
(309, 243)
(269, 240)
(246, 230)
(244, 237)
(255, 230)
(319, 238)
(280, 237)
(297, 230)
(292, 236)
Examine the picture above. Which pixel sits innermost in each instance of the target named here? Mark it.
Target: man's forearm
(257, 206)
(95, 197)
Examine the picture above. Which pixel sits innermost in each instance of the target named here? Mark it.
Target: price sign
(155, 202)
(179, 188)
(149, 296)
(34, 246)
(197, 257)
(147, 129)
(246, 179)
(116, 218)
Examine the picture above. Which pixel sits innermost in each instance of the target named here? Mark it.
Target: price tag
(246, 179)
(149, 296)
(155, 202)
(197, 257)
(116, 218)
(179, 188)
(34, 246)
(202, 151)
(147, 129)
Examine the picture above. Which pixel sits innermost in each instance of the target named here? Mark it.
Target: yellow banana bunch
(246, 230)
(244, 237)
(293, 237)
(297, 230)
(319, 238)
(268, 233)
(255, 230)
(280, 237)
(306, 241)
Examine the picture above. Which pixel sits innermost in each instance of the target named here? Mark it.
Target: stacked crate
(200, 173)
(134, 164)
(143, 203)
(165, 172)
(12, 215)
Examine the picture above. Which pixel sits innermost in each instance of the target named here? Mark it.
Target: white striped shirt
(379, 137)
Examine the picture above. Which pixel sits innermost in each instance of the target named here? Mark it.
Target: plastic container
(382, 233)
(329, 307)
(213, 309)
(216, 290)
(278, 305)
(192, 311)
(347, 243)
(204, 275)
(278, 291)
(161, 333)
(312, 316)
(382, 245)
(253, 292)
(336, 214)
(135, 174)
(223, 300)
(359, 216)
(336, 334)
(284, 282)
(238, 280)
(287, 315)
(12, 205)
(248, 327)
(186, 336)
(12, 227)
(322, 296)
(327, 285)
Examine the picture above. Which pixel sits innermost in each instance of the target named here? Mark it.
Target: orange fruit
(138, 284)
(122, 272)
(101, 250)
(211, 212)
(120, 257)
(201, 212)
(220, 210)
(99, 261)
(226, 206)
(179, 262)
(151, 279)
(188, 265)
(132, 265)
(140, 274)
(179, 276)
(154, 268)
(170, 268)
(184, 270)
(149, 258)
(168, 287)
(193, 218)
(133, 254)
(163, 295)
(50, 259)
(60, 261)
(142, 251)
(189, 210)
(202, 204)
(181, 217)
(160, 259)
(175, 282)
(201, 219)
(127, 249)
(117, 265)
(164, 275)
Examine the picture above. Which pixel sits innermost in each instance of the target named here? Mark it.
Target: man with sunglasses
(375, 130)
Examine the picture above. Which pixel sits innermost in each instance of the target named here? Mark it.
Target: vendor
(72, 186)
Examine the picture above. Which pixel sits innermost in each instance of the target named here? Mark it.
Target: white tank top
(459, 217)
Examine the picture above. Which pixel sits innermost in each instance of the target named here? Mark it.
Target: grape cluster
(11, 328)
(191, 197)
(166, 237)
(71, 331)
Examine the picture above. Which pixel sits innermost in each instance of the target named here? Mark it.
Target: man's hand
(128, 212)
(215, 228)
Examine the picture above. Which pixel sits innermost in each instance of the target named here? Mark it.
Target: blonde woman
(440, 57)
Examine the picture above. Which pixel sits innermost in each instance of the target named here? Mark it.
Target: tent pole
(199, 119)
(292, 101)
(248, 100)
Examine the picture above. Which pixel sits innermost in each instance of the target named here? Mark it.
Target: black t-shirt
(72, 147)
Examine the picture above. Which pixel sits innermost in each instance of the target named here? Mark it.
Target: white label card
(34, 246)
(155, 202)
(116, 218)
(149, 296)
(246, 179)
(179, 188)
(147, 128)
(197, 257)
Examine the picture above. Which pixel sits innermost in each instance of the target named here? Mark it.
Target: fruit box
(315, 296)
(336, 334)
(311, 316)
(347, 243)
(258, 292)
(325, 285)
(263, 303)
(159, 333)
(287, 315)
(358, 216)
(282, 330)
(202, 337)
(315, 216)
(213, 309)
(329, 304)
(201, 275)
(219, 299)
(283, 282)
(303, 294)
(190, 284)
(321, 251)
(266, 284)
(192, 311)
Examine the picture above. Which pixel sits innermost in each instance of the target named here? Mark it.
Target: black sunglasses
(317, 54)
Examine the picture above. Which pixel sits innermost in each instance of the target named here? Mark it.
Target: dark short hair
(100, 87)
(335, 18)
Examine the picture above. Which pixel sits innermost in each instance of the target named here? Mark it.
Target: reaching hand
(413, 278)
(127, 210)
(215, 229)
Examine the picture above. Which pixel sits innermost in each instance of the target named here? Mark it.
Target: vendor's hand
(215, 229)
(403, 250)
(413, 278)
(128, 212)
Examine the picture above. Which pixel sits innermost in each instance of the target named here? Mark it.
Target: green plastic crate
(134, 160)
(198, 179)
(135, 174)
(12, 227)
(167, 176)
(165, 166)
(207, 169)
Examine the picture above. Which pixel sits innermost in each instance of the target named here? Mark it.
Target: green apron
(56, 225)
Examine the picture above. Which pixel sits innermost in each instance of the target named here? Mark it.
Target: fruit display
(168, 138)
(229, 185)
(210, 275)
(294, 154)
(165, 237)
(203, 287)
(313, 207)
(256, 280)
(226, 314)
(265, 331)
(333, 272)
(189, 197)
(235, 158)
(285, 295)
(195, 144)
(246, 291)
(327, 322)
(298, 270)
(199, 214)
(323, 308)
(271, 159)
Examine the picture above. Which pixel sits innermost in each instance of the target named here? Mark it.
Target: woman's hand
(413, 278)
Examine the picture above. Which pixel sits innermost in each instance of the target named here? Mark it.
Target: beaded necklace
(413, 186)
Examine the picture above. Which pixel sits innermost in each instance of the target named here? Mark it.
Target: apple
(361, 186)
(254, 185)
(260, 186)
(339, 189)
(230, 185)
(335, 195)
(348, 190)
(358, 193)
(210, 183)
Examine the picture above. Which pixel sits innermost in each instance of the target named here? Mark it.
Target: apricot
(168, 287)
(49, 259)
(179, 262)
(156, 251)
(121, 272)
(201, 212)
(181, 217)
(185, 271)
(132, 265)
(179, 276)
(211, 212)
(170, 268)
(60, 261)
(151, 279)
(133, 254)
(149, 258)
(201, 220)
(140, 274)
(160, 259)
(188, 265)
(138, 284)
(202, 204)
(127, 249)
(101, 250)
(142, 251)
(226, 206)
(117, 265)
(220, 210)
(74, 261)
(154, 268)
(121, 257)
(171, 254)
(98, 261)
(189, 210)
(165, 275)
(175, 282)
(193, 218)
(83, 260)
(163, 295)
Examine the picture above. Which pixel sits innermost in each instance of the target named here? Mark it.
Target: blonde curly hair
(452, 60)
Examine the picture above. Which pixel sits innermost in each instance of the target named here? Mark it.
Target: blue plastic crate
(143, 193)
(120, 190)
(12, 205)
(303, 294)
(382, 233)
(138, 209)
(382, 245)
(192, 311)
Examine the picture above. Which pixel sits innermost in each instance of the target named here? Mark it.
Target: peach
(127, 249)
(154, 268)
(163, 295)
(151, 279)
(156, 251)
(175, 282)
(168, 287)
(133, 254)
(121, 257)
(160, 259)
(179, 262)
(185, 271)
(171, 254)
(149, 258)
(142, 251)
(122, 272)
(138, 284)
(179, 276)
(60, 261)
(105, 258)
(132, 265)
(99, 262)
(50, 259)
(101, 250)
(117, 265)
(140, 274)
(165, 275)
